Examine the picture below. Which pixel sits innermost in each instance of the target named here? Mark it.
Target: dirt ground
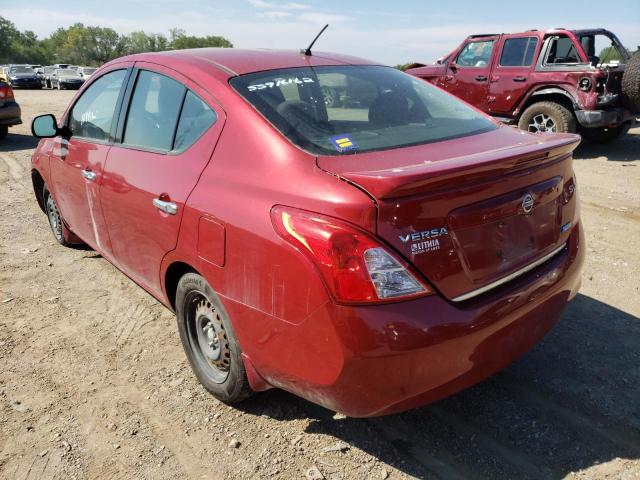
(94, 383)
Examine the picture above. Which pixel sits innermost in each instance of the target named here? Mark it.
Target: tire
(4, 131)
(549, 116)
(605, 134)
(60, 231)
(209, 340)
(631, 83)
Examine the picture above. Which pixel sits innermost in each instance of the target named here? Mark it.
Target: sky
(390, 32)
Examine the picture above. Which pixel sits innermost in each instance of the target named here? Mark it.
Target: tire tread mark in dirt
(30, 467)
(181, 449)
(513, 457)
(132, 321)
(625, 438)
(441, 465)
(16, 171)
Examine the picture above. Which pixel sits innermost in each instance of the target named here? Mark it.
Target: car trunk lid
(470, 211)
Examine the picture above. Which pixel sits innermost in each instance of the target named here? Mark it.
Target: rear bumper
(603, 118)
(376, 360)
(10, 114)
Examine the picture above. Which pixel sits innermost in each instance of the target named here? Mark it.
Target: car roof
(230, 62)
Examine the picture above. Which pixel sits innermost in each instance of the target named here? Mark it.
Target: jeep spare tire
(631, 83)
(543, 117)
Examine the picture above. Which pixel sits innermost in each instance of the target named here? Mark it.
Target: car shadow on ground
(16, 141)
(624, 149)
(572, 403)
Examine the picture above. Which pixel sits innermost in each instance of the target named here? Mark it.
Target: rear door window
(562, 50)
(518, 52)
(153, 112)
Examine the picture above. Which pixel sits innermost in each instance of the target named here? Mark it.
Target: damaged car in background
(545, 81)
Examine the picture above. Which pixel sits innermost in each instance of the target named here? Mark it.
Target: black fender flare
(546, 91)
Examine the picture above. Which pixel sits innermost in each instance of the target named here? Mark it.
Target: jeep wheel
(547, 117)
(605, 134)
(209, 340)
(631, 83)
(4, 131)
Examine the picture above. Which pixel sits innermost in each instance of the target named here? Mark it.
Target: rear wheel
(542, 117)
(209, 341)
(605, 134)
(4, 131)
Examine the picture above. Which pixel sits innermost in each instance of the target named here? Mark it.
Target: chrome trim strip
(508, 278)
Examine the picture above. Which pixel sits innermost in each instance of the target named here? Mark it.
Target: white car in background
(86, 72)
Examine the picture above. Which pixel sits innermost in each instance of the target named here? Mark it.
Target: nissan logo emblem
(527, 203)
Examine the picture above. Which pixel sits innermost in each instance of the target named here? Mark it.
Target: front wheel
(544, 117)
(209, 341)
(4, 131)
(62, 234)
(604, 134)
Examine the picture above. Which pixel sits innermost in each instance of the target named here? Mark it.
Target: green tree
(180, 40)
(91, 45)
(610, 53)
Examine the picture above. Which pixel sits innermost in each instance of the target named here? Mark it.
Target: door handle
(89, 175)
(481, 78)
(520, 79)
(167, 207)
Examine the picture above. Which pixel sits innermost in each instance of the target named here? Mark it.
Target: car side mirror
(453, 66)
(46, 126)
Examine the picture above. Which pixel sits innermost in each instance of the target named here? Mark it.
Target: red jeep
(545, 80)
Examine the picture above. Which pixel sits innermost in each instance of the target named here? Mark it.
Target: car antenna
(307, 51)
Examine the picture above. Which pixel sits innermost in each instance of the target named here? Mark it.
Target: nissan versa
(371, 253)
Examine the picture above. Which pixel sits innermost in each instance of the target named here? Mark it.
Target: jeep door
(77, 162)
(166, 134)
(510, 79)
(468, 73)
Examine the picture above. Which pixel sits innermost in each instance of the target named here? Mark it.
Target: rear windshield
(349, 109)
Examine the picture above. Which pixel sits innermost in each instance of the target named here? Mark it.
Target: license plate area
(492, 238)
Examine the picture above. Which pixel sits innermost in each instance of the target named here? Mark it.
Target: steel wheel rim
(207, 337)
(542, 123)
(54, 217)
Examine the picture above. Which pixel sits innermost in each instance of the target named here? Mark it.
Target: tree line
(92, 46)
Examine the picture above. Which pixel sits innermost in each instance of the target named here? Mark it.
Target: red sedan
(319, 223)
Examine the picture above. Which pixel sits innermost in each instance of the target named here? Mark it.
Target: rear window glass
(518, 52)
(350, 109)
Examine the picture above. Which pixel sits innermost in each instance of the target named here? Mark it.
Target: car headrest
(389, 109)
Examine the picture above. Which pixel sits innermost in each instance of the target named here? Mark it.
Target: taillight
(355, 267)
(6, 92)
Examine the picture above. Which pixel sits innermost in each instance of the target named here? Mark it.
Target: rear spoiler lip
(415, 178)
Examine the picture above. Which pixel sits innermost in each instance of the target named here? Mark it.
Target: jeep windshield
(349, 109)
